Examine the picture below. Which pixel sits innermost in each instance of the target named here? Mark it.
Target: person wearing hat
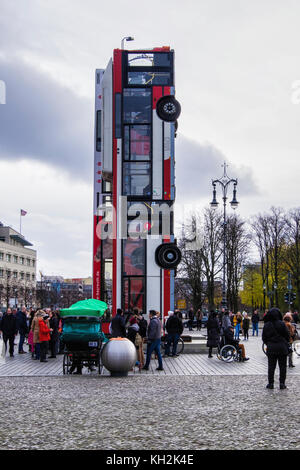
(36, 333)
(154, 339)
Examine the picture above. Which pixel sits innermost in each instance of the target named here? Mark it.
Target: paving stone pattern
(196, 403)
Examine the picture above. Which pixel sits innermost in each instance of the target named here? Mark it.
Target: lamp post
(224, 182)
(127, 38)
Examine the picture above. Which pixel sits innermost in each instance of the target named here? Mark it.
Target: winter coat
(275, 335)
(154, 329)
(229, 337)
(174, 325)
(118, 327)
(9, 325)
(226, 322)
(54, 323)
(143, 327)
(255, 318)
(213, 333)
(246, 323)
(291, 329)
(44, 331)
(22, 322)
(35, 329)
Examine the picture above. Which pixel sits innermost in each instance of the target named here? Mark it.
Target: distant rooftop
(7, 233)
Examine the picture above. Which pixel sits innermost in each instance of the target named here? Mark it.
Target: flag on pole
(23, 212)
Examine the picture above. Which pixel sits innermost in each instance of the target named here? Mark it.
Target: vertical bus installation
(135, 254)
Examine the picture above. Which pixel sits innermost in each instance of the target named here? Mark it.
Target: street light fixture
(224, 182)
(127, 38)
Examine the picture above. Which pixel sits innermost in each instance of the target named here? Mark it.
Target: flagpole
(20, 220)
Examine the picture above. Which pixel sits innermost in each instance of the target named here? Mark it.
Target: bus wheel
(168, 108)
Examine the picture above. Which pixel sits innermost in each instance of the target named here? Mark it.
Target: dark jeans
(154, 346)
(272, 361)
(10, 339)
(254, 329)
(21, 341)
(37, 350)
(53, 344)
(43, 349)
(172, 338)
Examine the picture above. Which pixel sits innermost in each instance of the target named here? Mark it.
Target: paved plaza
(196, 403)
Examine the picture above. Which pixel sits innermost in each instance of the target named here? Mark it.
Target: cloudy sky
(237, 79)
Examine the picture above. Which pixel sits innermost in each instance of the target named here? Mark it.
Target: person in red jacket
(44, 332)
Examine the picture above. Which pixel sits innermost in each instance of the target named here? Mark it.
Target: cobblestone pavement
(214, 406)
(148, 412)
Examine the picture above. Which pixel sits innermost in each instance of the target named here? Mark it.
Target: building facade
(17, 269)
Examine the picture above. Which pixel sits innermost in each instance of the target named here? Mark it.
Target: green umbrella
(85, 308)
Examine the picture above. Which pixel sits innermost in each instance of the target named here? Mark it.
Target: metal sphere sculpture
(119, 356)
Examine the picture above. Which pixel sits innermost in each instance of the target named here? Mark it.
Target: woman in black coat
(213, 333)
(276, 336)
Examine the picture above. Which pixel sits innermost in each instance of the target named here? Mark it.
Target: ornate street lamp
(224, 182)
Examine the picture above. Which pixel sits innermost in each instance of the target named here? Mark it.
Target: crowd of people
(41, 329)
(278, 334)
(134, 326)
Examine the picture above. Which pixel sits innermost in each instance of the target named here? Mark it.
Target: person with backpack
(174, 328)
(276, 337)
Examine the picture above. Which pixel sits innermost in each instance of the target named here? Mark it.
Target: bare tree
(191, 268)
(212, 251)
(291, 251)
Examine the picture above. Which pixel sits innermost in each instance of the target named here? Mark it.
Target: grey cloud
(45, 121)
(198, 164)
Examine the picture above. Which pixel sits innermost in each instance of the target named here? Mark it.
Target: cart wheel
(66, 364)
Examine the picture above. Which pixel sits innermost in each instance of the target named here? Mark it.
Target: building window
(1, 256)
(22, 275)
(148, 69)
(28, 261)
(27, 277)
(137, 142)
(33, 277)
(133, 257)
(1, 273)
(33, 263)
(15, 275)
(137, 179)
(15, 259)
(8, 258)
(137, 106)
(22, 260)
